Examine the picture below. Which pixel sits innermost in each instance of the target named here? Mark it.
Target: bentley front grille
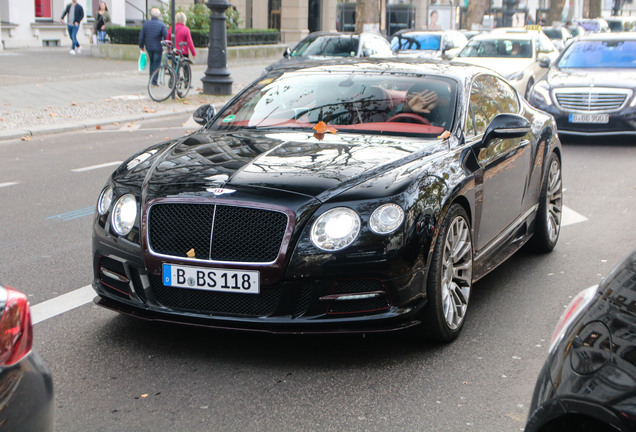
(592, 99)
(216, 232)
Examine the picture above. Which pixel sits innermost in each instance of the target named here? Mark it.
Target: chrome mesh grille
(591, 99)
(216, 232)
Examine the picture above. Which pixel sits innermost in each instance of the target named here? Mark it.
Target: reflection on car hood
(419, 53)
(295, 162)
(503, 65)
(620, 78)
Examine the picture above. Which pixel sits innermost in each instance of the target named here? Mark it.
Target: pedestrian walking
(101, 20)
(152, 33)
(182, 34)
(74, 14)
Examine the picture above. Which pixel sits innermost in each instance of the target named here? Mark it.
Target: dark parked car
(591, 89)
(329, 45)
(26, 387)
(588, 382)
(319, 200)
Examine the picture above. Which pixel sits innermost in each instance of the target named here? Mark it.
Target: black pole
(217, 80)
(172, 37)
(508, 11)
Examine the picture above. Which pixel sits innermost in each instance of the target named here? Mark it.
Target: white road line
(570, 217)
(93, 167)
(64, 303)
(8, 184)
(130, 126)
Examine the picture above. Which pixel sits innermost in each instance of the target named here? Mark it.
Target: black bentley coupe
(353, 196)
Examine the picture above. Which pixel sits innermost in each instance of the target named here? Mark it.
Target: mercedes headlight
(542, 89)
(124, 214)
(335, 229)
(386, 219)
(104, 201)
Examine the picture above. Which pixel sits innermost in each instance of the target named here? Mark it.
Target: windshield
(600, 54)
(328, 46)
(366, 102)
(553, 33)
(521, 48)
(416, 41)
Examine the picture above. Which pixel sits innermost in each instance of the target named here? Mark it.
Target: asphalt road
(114, 373)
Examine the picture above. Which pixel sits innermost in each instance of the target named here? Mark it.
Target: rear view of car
(428, 44)
(588, 382)
(26, 387)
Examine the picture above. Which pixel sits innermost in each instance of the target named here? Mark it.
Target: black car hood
(294, 162)
(620, 78)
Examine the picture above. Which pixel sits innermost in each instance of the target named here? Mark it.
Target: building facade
(35, 23)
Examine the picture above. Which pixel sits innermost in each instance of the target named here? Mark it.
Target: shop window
(43, 9)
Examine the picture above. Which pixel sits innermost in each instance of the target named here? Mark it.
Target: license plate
(211, 279)
(589, 118)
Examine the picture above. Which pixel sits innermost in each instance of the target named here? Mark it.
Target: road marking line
(8, 184)
(570, 217)
(93, 167)
(61, 304)
(74, 214)
(130, 127)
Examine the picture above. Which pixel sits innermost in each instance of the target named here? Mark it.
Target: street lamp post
(508, 11)
(217, 80)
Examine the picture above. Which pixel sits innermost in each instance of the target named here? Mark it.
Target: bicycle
(173, 76)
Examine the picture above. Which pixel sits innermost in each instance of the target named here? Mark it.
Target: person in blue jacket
(74, 14)
(152, 33)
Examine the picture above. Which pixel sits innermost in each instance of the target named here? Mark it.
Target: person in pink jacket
(182, 34)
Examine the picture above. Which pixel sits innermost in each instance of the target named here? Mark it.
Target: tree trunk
(595, 8)
(476, 11)
(555, 11)
(367, 12)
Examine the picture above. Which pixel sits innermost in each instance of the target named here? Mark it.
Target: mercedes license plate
(589, 118)
(211, 279)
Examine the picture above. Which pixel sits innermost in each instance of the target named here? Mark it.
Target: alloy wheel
(457, 267)
(554, 200)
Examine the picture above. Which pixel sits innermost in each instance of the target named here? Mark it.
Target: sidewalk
(47, 90)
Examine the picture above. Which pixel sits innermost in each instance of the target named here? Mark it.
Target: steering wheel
(409, 118)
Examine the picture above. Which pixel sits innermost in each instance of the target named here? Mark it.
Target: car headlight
(335, 229)
(386, 218)
(104, 201)
(541, 88)
(124, 214)
(515, 76)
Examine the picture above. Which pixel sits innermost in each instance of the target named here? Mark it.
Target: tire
(449, 278)
(548, 222)
(165, 78)
(184, 76)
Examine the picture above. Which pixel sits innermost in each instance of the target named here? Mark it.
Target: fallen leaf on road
(26, 138)
(1, 118)
(199, 89)
(116, 123)
(53, 114)
(145, 395)
(74, 103)
(185, 102)
(98, 127)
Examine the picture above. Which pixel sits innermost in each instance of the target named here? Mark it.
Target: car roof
(627, 36)
(506, 35)
(457, 71)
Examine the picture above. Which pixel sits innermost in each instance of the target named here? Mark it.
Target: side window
(489, 96)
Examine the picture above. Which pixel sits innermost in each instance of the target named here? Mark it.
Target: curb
(69, 127)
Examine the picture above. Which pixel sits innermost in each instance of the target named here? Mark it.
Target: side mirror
(287, 53)
(506, 126)
(544, 62)
(204, 114)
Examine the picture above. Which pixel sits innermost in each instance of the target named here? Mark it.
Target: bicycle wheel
(162, 83)
(184, 78)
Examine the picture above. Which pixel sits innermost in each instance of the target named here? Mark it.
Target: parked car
(588, 382)
(26, 386)
(522, 56)
(619, 24)
(445, 44)
(593, 25)
(592, 88)
(560, 36)
(347, 196)
(328, 45)
(576, 30)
